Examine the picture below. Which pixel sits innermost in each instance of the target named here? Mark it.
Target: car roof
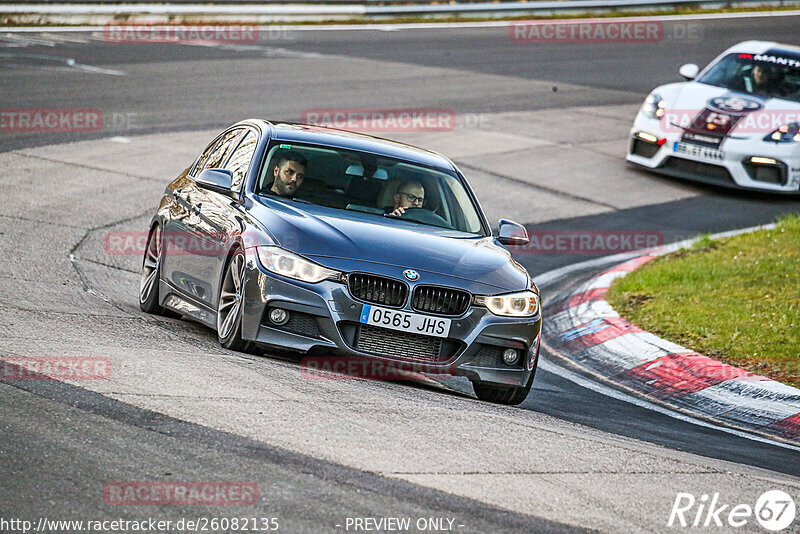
(762, 47)
(322, 135)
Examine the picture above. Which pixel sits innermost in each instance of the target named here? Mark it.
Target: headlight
(284, 263)
(653, 106)
(522, 304)
(788, 133)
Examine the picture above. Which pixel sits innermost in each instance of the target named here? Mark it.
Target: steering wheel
(425, 216)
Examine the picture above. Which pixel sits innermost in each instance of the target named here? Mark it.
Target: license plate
(698, 151)
(404, 321)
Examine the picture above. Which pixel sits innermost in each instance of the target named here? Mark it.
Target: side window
(222, 150)
(469, 216)
(239, 161)
(203, 157)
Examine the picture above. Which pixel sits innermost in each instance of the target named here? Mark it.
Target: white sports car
(736, 123)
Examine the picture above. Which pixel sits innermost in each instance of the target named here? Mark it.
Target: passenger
(410, 194)
(288, 174)
(764, 81)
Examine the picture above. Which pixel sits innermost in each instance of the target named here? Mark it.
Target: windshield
(765, 75)
(356, 181)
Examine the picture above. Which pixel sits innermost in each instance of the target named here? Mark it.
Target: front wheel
(151, 273)
(510, 396)
(231, 305)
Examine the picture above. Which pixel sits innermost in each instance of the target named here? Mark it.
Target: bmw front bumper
(324, 320)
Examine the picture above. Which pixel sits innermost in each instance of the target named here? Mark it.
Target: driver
(762, 80)
(288, 174)
(410, 194)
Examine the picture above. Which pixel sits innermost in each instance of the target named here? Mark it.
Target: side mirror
(219, 180)
(689, 71)
(512, 233)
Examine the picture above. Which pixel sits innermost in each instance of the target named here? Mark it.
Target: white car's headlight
(522, 304)
(788, 133)
(654, 106)
(285, 263)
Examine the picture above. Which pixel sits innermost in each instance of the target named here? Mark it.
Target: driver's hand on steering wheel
(398, 211)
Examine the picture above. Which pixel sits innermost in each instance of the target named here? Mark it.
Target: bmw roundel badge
(411, 275)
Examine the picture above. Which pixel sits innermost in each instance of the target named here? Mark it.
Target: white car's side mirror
(689, 71)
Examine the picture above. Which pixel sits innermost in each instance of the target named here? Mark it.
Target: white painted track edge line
(609, 391)
(555, 275)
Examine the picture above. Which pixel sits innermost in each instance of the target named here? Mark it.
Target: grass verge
(736, 300)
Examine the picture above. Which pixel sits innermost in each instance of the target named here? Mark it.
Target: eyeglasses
(412, 198)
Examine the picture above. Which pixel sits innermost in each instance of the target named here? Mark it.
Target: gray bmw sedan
(328, 242)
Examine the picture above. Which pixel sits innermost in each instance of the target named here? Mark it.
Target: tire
(231, 302)
(510, 396)
(151, 274)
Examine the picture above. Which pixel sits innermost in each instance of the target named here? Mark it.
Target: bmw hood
(353, 241)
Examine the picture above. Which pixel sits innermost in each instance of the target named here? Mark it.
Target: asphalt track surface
(60, 442)
(193, 87)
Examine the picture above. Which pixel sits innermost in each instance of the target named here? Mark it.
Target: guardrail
(305, 9)
(254, 3)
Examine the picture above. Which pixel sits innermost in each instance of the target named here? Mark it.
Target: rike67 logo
(774, 510)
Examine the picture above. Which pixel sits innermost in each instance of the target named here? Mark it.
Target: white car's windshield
(767, 75)
(358, 181)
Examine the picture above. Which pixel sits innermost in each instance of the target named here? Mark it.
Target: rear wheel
(151, 274)
(231, 305)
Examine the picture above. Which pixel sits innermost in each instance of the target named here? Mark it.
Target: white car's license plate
(404, 321)
(698, 151)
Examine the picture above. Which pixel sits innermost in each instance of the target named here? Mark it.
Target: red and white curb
(586, 330)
